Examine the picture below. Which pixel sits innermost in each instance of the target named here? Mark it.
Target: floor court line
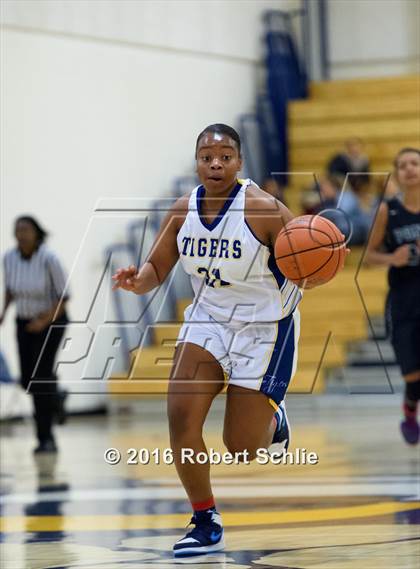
(157, 521)
(176, 493)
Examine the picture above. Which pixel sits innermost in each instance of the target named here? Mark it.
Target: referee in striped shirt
(35, 281)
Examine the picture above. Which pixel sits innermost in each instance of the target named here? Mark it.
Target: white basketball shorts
(256, 355)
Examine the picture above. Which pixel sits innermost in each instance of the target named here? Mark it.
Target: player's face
(218, 161)
(408, 170)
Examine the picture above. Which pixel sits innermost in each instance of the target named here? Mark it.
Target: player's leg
(46, 344)
(28, 355)
(196, 379)
(250, 422)
(410, 427)
(405, 340)
(255, 412)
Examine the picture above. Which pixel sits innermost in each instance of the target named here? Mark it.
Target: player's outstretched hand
(127, 279)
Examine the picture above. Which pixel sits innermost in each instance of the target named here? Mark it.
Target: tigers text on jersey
(234, 276)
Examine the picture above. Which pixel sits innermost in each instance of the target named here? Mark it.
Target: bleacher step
(366, 87)
(321, 110)
(365, 380)
(370, 350)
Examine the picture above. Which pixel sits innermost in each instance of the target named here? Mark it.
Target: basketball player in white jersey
(243, 323)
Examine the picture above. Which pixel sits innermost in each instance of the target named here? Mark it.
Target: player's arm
(374, 253)
(266, 216)
(161, 259)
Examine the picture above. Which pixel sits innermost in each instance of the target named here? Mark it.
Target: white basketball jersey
(234, 276)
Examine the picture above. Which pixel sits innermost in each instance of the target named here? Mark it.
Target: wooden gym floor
(357, 508)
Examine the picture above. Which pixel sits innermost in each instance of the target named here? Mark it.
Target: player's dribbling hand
(126, 279)
(400, 256)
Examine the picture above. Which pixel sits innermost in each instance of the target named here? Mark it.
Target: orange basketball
(310, 250)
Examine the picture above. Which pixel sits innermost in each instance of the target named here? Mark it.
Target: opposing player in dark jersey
(395, 242)
(243, 323)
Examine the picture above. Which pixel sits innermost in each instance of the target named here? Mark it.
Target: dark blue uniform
(403, 304)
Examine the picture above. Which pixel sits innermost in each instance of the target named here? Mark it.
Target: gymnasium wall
(373, 38)
(105, 99)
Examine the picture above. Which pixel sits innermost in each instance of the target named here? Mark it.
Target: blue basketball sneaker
(206, 537)
(281, 437)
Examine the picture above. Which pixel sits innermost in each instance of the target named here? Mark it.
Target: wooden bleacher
(365, 88)
(383, 112)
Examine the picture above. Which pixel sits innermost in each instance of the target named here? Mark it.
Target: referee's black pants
(44, 392)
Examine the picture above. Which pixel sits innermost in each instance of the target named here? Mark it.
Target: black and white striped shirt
(36, 283)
